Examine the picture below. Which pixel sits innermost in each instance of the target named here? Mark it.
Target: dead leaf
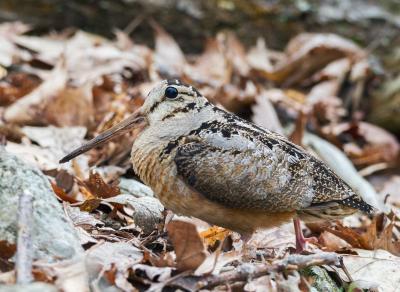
(214, 263)
(235, 53)
(365, 143)
(376, 269)
(214, 234)
(188, 245)
(264, 114)
(331, 242)
(7, 250)
(260, 58)
(372, 238)
(392, 187)
(80, 218)
(216, 75)
(146, 212)
(15, 85)
(62, 195)
(274, 240)
(169, 60)
(112, 261)
(100, 189)
(308, 52)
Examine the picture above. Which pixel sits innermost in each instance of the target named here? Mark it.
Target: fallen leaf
(112, 261)
(214, 234)
(99, 188)
(392, 187)
(15, 85)
(308, 52)
(216, 75)
(377, 269)
(373, 238)
(214, 262)
(264, 114)
(146, 212)
(235, 53)
(364, 143)
(331, 242)
(275, 240)
(81, 218)
(188, 245)
(7, 250)
(169, 60)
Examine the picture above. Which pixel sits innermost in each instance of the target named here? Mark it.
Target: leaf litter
(82, 84)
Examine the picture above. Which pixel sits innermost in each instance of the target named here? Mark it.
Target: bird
(204, 162)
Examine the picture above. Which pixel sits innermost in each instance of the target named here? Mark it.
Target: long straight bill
(134, 121)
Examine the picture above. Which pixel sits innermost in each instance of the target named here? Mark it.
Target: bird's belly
(177, 196)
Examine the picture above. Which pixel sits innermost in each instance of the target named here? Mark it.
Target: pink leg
(301, 241)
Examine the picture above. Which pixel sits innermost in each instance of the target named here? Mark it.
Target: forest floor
(90, 224)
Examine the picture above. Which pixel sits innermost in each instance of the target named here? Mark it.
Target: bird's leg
(247, 250)
(301, 241)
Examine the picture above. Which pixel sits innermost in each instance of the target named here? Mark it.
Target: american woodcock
(204, 162)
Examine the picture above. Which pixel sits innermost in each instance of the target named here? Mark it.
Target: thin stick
(293, 262)
(345, 269)
(24, 255)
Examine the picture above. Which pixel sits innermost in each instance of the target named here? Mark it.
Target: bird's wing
(280, 176)
(246, 179)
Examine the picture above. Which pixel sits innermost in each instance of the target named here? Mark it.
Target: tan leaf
(216, 75)
(169, 60)
(308, 52)
(188, 245)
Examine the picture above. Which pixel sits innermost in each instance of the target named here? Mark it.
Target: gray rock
(53, 236)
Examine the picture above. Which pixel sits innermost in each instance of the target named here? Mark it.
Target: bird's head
(169, 99)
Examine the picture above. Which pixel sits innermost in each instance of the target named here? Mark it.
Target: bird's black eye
(171, 92)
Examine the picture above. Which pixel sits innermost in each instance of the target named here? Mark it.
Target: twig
(245, 271)
(133, 24)
(345, 269)
(24, 256)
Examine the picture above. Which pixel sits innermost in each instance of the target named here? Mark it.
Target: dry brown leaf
(29, 109)
(216, 75)
(62, 195)
(235, 53)
(99, 188)
(188, 245)
(374, 237)
(169, 59)
(307, 53)
(262, 59)
(264, 114)
(7, 250)
(234, 98)
(365, 143)
(15, 85)
(73, 106)
(331, 242)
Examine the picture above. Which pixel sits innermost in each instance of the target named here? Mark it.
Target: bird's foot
(301, 241)
(302, 244)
